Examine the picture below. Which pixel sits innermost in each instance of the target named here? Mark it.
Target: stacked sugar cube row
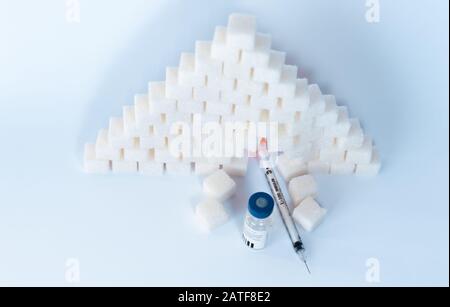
(236, 77)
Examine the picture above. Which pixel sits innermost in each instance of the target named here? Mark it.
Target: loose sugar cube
(123, 166)
(236, 167)
(219, 185)
(191, 106)
(220, 83)
(205, 168)
(363, 154)
(287, 86)
(318, 167)
(302, 187)
(92, 164)
(272, 72)
(175, 90)
(259, 57)
(290, 168)
(204, 63)
(218, 108)
(151, 168)
(309, 214)
(369, 169)
(241, 31)
(117, 137)
(187, 76)
(206, 94)
(342, 168)
(211, 213)
(219, 48)
(103, 150)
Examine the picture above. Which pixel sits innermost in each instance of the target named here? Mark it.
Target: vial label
(254, 238)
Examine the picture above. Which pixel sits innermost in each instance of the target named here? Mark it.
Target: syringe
(288, 222)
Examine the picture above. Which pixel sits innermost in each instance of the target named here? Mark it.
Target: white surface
(60, 83)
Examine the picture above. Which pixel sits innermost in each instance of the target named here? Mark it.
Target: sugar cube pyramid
(235, 78)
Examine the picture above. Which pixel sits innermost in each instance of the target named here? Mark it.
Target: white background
(61, 81)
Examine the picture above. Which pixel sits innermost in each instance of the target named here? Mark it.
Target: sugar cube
(263, 102)
(92, 164)
(241, 31)
(220, 83)
(301, 100)
(206, 94)
(250, 87)
(272, 72)
(301, 187)
(369, 169)
(219, 48)
(330, 115)
(290, 168)
(135, 153)
(342, 168)
(259, 57)
(355, 137)
(204, 63)
(129, 122)
(219, 185)
(191, 106)
(237, 71)
(151, 168)
(103, 150)
(332, 154)
(236, 167)
(319, 167)
(173, 89)
(287, 86)
(123, 166)
(211, 213)
(246, 112)
(178, 168)
(234, 97)
(218, 108)
(205, 168)
(317, 103)
(309, 214)
(187, 76)
(116, 136)
(363, 154)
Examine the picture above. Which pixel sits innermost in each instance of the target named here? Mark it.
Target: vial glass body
(256, 231)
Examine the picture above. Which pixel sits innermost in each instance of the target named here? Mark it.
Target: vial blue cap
(260, 205)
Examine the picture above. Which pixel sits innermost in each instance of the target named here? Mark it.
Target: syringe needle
(307, 267)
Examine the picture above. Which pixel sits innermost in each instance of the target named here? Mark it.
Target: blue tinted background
(60, 82)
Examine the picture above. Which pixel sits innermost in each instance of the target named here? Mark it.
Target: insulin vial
(258, 220)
